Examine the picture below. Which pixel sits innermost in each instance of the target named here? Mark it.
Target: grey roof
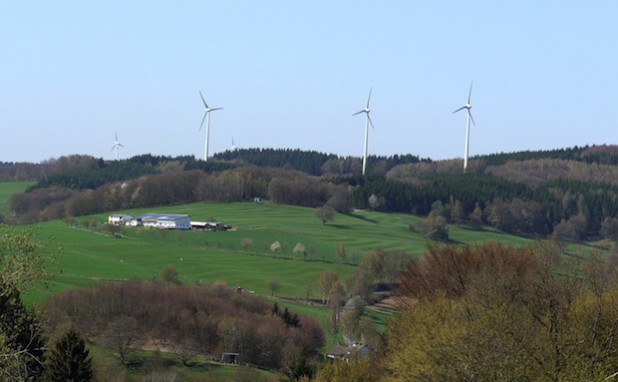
(162, 216)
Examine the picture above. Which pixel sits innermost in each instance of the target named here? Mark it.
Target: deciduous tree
(325, 213)
(273, 285)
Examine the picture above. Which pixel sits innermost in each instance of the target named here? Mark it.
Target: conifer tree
(69, 360)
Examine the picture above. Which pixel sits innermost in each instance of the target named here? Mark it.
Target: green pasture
(240, 257)
(202, 257)
(8, 189)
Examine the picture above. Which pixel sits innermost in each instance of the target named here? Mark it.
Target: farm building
(345, 353)
(119, 219)
(163, 221)
(209, 226)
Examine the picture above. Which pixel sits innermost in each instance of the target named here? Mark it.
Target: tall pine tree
(69, 360)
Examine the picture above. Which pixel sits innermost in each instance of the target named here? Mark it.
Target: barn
(163, 221)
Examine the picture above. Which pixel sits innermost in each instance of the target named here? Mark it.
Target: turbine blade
(470, 92)
(203, 100)
(113, 147)
(370, 122)
(116, 136)
(121, 145)
(216, 108)
(203, 119)
(369, 98)
(358, 112)
(460, 109)
(472, 119)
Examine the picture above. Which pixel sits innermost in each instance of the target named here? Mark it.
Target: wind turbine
(469, 118)
(234, 148)
(117, 146)
(207, 115)
(366, 110)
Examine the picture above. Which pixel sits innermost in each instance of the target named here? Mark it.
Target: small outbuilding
(204, 226)
(229, 358)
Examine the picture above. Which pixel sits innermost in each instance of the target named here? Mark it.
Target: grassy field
(240, 257)
(7, 189)
(202, 257)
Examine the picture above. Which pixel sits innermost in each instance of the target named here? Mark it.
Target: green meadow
(239, 257)
(242, 256)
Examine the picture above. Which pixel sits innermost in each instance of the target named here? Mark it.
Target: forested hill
(310, 162)
(602, 154)
(569, 193)
(313, 162)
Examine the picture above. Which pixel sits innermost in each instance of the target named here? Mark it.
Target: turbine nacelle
(468, 105)
(207, 110)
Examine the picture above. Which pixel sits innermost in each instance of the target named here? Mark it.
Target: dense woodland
(187, 320)
(493, 312)
(568, 193)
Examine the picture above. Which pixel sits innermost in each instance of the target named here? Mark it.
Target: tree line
(242, 184)
(313, 162)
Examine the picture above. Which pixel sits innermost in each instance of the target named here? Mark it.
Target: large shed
(163, 221)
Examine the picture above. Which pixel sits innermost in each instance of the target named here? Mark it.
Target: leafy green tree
(325, 213)
(69, 360)
(476, 216)
(434, 227)
(21, 340)
(296, 365)
(351, 371)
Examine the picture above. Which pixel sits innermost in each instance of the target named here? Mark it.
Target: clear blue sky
(289, 74)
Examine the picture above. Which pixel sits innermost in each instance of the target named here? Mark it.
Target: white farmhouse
(163, 221)
(119, 219)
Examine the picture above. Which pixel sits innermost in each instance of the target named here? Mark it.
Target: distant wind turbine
(368, 121)
(207, 116)
(234, 148)
(469, 118)
(117, 146)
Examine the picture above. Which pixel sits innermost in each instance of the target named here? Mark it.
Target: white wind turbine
(117, 146)
(368, 121)
(469, 118)
(234, 148)
(207, 115)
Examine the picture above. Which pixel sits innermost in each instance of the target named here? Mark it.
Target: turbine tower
(366, 110)
(117, 146)
(469, 118)
(207, 116)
